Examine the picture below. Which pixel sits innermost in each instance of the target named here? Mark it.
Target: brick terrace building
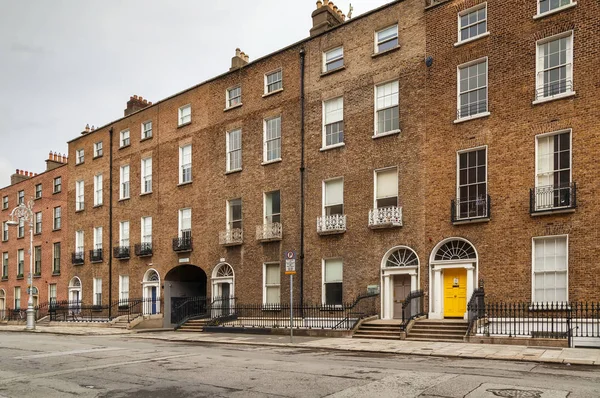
(347, 147)
(45, 191)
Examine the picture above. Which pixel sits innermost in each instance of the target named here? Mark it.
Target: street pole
(291, 308)
(30, 309)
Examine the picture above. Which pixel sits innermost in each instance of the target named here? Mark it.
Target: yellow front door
(455, 292)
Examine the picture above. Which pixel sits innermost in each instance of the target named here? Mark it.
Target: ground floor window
(272, 284)
(332, 281)
(550, 265)
(97, 291)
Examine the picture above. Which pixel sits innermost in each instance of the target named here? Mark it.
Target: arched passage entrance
(151, 292)
(453, 277)
(399, 277)
(182, 283)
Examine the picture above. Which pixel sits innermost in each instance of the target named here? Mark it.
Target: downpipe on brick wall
(110, 218)
(301, 257)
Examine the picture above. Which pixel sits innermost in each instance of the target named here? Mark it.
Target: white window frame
(275, 72)
(487, 187)
(553, 133)
(272, 285)
(57, 218)
(38, 222)
(98, 150)
(98, 190)
(79, 195)
(124, 233)
(5, 233)
(57, 185)
(182, 150)
(21, 197)
(324, 124)
(323, 282)
(460, 118)
(79, 156)
(266, 159)
(125, 138)
(324, 196)
(229, 214)
(184, 118)
(146, 229)
(97, 286)
(97, 238)
(460, 28)
(333, 60)
(4, 264)
(376, 186)
(20, 262)
(52, 291)
(539, 71)
(38, 191)
(79, 242)
(4, 202)
(266, 214)
(229, 98)
(146, 175)
(540, 14)
(55, 257)
(393, 131)
(379, 43)
(533, 272)
(123, 289)
(146, 132)
(235, 151)
(181, 226)
(17, 297)
(124, 186)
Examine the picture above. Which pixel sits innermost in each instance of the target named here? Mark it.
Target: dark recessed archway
(185, 292)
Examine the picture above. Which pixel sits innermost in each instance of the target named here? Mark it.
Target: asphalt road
(47, 366)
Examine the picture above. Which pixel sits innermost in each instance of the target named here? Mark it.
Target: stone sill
(548, 212)
(146, 193)
(338, 145)
(232, 107)
(472, 39)
(233, 171)
(229, 244)
(184, 124)
(472, 117)
(391, 50)
(331, 72)
(271, 162)
(554, 97)
(124, 146)
(272, 92)
(386, 225)
(146, 138)
(181, 184)
(471, 220)
(331, 232)
(551, 12)
(393, 132)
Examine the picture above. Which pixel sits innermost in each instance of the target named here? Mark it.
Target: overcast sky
(65, 63)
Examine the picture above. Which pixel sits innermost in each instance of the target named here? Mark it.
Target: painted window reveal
(550, 265)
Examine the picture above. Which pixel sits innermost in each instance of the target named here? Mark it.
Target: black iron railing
(182, 244)
(472, 109)
(122, 252)
(476, 308)
(78, 258)
(185, 308)
(552, 198)
(96, 255)
(78, 311)
(143, 249)
(412, 307)
(553, 88)
(468, 209)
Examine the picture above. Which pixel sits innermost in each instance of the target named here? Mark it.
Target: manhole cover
(514, 393)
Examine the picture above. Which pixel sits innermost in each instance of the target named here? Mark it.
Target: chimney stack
(326, 16)
(240, 59)
(55, 160)
(20, 175)
(134, 104)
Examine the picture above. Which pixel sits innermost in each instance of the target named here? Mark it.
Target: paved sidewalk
(580, 356)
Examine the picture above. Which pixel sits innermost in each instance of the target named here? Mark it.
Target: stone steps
(438, 330)
(378, 330)
(193, 325)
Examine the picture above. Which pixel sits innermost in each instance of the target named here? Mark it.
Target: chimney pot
(331, 5)
(150, 103)
(319, 4)
(237, 52)
(135, 97)
(140, 98)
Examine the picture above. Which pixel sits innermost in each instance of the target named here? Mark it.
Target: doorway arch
(453, 273)
(223, 289)
(399, 277)
(182, 283)
(151, 292)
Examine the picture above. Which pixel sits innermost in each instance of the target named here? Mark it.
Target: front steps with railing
(388, 329)
(194, 325)
(448, 330)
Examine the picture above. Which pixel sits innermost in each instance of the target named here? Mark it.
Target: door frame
(147, 286)
(465, 273)
(387, 281)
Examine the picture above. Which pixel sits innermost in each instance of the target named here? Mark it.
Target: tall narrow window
(333, 59)
(272, 207)
(98, 149)
(185, 164)
(234, 214)
(147, 129)
(79, 242)
(123, 289)
(472, 22)
(57, 184)
(272, 139)
(386, 108)
(20, 262)
(147, 175)
(472, 89)
(79, 156)
(386, 188)
(272, 280)
(52, 293)
(386, 39)
(4, 202)
(185, 223)
(38, 191)
(550, 267)
(332, 281)
(185, 115)
(472, 184)
(98, 199)
(98, 238)
(234, 96)
(333, 121)
(4, 231)
(56, 258)
(146, 230)
(17, 297)
(124, 138)
(333, 200)
(554, 66)
(124, 186)
(4, 265)
(553, 171)
(20, 197)
(234, 150)
(79, 196)
(97, 291)
(21, 228)
(57, 224)
(37, 262)
(273, 81)
(38, 222)
(124, 234)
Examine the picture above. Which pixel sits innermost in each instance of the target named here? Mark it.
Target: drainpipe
(302, 169)
(110, 218)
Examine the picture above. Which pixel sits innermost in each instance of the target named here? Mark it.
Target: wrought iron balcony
(231, 237)
(122, 252)
(472, 109)
(550, 89)
(96, 255)
(78, 258)
(143, 249)
(385, 217)
(464, 210)
(553, 198)
(333, 224)
(183, 244)
(269, 232)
